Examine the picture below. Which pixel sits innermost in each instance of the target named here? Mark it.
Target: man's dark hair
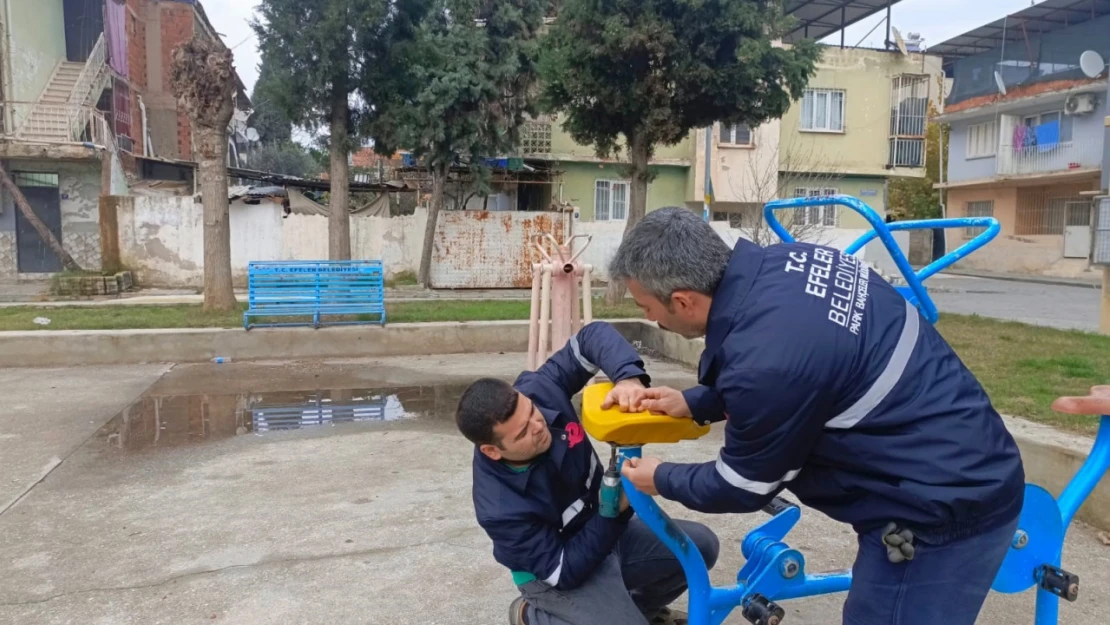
(484, 404)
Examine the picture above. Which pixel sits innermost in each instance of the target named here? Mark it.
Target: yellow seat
(632, 428)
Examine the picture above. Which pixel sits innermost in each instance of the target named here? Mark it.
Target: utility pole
(707, 195)
(1103, 233)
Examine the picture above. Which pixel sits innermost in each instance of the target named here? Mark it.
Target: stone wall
(7, 254)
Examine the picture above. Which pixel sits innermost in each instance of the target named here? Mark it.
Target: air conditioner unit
(1079, 104)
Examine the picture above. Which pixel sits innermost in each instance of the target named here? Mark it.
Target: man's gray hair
(670, 250)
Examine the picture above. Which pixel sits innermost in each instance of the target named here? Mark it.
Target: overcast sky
(935, 20)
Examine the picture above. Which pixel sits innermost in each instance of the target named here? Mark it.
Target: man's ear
(681, 300)
(493, 452)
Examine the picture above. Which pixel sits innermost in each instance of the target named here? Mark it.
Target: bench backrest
(333, 284)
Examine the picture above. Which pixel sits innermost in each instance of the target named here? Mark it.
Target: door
(32, 253)
(84, 22)
(1077, 229)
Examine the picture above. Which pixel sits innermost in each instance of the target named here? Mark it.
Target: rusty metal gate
(490, 249)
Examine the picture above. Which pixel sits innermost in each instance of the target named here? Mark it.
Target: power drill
(610, 494)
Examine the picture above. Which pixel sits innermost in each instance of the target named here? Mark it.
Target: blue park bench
(314, 289)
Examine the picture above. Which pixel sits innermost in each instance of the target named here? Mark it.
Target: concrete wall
(667, 189)
(563, 147)
(958, 166)
(1008, 252)
(865, 76)
(38, 43)
(607, 238)
(79, 187)
(488, 249)
(742, 174)
(162, 239)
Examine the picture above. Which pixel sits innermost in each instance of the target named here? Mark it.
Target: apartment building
(860, 122)
(85, 109)
(1027, 135)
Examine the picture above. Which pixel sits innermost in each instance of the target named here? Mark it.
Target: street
(1058, 306)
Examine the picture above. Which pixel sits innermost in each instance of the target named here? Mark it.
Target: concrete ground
(167, 515)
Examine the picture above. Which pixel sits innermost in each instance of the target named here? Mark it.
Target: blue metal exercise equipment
(774, 571)
(914, 290)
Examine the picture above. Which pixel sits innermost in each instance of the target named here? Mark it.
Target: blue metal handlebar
(917, 294)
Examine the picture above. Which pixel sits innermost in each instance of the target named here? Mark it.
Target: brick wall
(177, 28)
(136, 59)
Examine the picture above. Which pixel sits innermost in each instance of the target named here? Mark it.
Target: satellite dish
(252, 134)
(1091, 63)
(901, 43)
(998, 81)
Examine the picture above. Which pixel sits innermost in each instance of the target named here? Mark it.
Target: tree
(286, 157)
(915, 198)
(310, 49)
(646, 72)
(476, 64)
(759, 181)
(268, 119)
(203, 81)
(29, 213)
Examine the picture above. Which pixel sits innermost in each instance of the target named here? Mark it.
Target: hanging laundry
(1048, 136)
(1019, 138)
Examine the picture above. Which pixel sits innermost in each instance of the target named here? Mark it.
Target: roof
(817, 19)
(1040, 18)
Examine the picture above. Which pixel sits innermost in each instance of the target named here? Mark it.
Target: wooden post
(44, 232)
(1104, 316)
(109, 232)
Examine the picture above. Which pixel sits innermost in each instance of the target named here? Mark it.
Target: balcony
(39, 122)
(1081, 152)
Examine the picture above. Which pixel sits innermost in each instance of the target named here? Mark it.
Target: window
(825, 215)
(1065, 121)
(982, 139)
(610, 200)
(736, 134)
(735, 220)
(34, 179)
(984, 208)
(823, 110)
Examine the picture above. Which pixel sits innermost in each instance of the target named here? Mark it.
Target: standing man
(834, 387)
(536, 485)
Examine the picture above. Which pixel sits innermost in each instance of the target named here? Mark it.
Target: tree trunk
(637, 203)
(44, 232)
(339, 213)
(439, 185)
(212, 169)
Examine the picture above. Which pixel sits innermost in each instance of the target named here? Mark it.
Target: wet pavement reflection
(174, 420)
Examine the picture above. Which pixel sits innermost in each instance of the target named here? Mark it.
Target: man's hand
(664, 400)
(626, 394)
(641, 472)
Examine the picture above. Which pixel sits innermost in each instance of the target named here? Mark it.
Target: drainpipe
(707, 191)
(6, 50)
(146, 137)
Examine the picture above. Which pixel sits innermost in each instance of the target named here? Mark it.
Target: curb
(71, 348)
(1029, 279)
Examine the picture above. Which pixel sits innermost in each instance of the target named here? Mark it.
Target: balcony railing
(93, 77)
(54, 123)
(1081, 152)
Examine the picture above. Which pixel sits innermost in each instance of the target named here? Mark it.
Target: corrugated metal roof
(1040, 18)
(818, 19)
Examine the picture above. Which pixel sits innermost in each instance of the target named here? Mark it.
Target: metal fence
(1043, 211)
(1101, 249)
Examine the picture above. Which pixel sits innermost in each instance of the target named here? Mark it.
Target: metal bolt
(789, 568)
(1021, 539)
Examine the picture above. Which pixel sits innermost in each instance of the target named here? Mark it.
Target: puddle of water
(174, 420)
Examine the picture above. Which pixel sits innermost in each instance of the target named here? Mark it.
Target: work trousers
(943, 583)
(629, 587)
